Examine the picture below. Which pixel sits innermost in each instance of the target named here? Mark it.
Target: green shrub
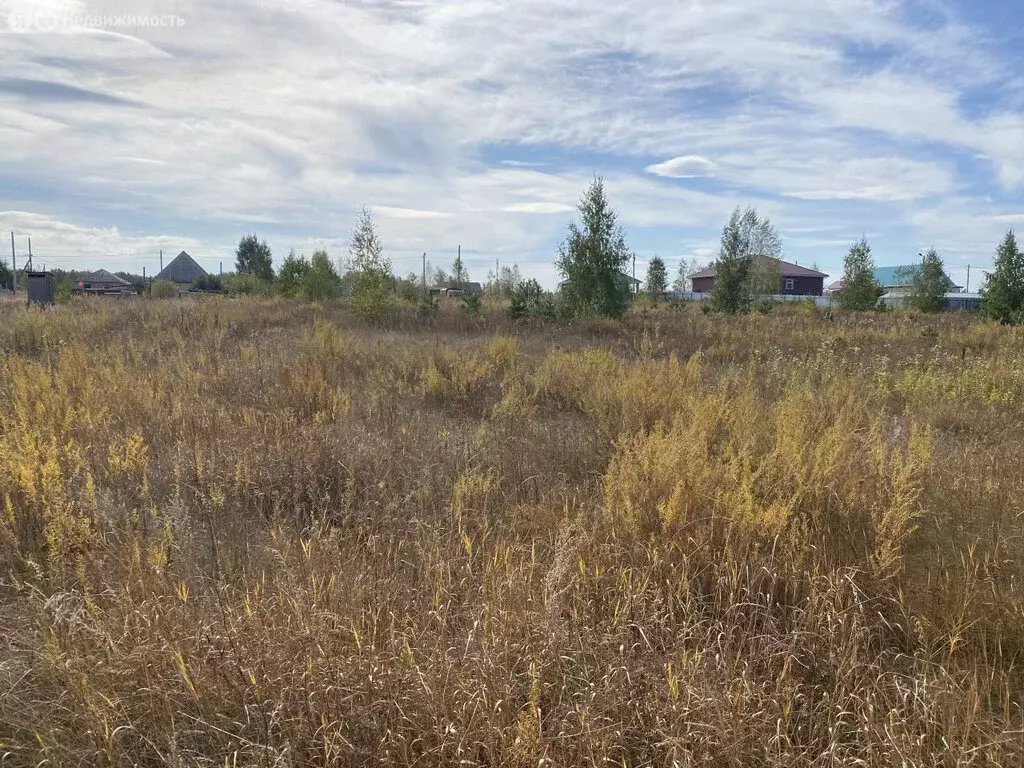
(322, 282)
(163, 289)
(471, 304)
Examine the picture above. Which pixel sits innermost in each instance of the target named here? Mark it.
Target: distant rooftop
(183, 270)
(893, 277)
(103, 276)
(787, 270)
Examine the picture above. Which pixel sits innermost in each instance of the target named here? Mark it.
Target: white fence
(820, 301)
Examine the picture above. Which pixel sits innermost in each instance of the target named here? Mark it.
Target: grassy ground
(252, 533)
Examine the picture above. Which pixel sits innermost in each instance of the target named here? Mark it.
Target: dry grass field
(262, 533)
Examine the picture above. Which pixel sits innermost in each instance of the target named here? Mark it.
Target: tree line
(593, 257)
(592, 262)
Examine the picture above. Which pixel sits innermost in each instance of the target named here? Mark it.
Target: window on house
(789, 284)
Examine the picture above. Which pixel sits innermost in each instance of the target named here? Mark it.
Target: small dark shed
(42, 289)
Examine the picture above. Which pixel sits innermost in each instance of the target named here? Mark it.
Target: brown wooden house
(794, 280)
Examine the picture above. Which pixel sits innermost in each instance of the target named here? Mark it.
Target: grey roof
(103, 276)
(787, 269)
(184, 269)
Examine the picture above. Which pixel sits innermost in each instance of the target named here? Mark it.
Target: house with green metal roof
(896, 280)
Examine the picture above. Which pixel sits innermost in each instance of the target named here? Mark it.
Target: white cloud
(540, 208)
(684, 167)
(289, 117)
(59, 244)
(407, 213)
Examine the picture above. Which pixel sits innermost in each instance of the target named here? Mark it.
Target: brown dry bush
(261, 533)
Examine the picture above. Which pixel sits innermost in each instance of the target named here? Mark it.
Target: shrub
(244, 284)
(208, 283)
(471, 304)
(163, 289)
(322, 281)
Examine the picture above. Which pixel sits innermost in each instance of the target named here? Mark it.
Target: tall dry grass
(254, 533)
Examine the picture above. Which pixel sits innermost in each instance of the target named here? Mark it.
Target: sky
(131, 128)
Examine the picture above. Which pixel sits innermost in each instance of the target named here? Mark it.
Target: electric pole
(30, 265)
(161, 259)
(968, 288)
(424, 274)
(14, 267)
(634, 273)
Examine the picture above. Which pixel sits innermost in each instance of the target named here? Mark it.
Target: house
(634, 284)
(101, 283)
(184, 271)
(794, 280)
(894, 280)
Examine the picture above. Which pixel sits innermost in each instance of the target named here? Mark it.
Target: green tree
(208, 283)
(527, 298)
(929, 286)
(322, 281)
(460, 276)
(292, 275)
(682, 282)
(657, 279)
(746, 239)
(592, 259)
(253, 257)
(860, 291)
(6, 277)
(245, 285)
(507, 281)
(369, 271)
(1003, 294)
(438, 277)
(409, 288)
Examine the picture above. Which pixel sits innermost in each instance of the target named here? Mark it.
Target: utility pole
(30, 264)
(14, 267)
(424, 274)
(634, 273)
(968, 288)
(161, 259)
(222, 269)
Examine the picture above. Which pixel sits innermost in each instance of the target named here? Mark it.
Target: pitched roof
(889, 276)
(898, 276)
(630, 279)
(103, 276)
(787, 270)
(894, 277)
(184, 269)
